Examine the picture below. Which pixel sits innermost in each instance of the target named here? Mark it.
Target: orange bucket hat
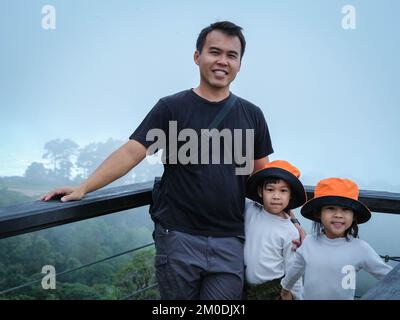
(339, 192)
(278, 169)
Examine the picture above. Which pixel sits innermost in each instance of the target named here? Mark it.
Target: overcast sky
(330, 95)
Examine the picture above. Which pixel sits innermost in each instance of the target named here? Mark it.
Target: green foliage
(77, 291)
(73, 245)
(138, 274)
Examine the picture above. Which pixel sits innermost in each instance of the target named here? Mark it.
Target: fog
(328, 86)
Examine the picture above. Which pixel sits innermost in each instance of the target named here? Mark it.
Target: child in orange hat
(330, 258)
(274, 189)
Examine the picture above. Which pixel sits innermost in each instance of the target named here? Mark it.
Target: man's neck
(213, 95)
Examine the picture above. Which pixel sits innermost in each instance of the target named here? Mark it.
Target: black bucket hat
(278, 169)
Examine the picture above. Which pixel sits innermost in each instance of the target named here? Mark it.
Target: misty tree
(64, 169)
(36, 172)
(59, 152)
(87, 159)
(93, 154)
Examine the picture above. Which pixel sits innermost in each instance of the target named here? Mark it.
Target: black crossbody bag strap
(223, 112)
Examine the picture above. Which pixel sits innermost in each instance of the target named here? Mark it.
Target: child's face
(276, 197)
(336, 220)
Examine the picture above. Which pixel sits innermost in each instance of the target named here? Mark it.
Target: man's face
(219, 61)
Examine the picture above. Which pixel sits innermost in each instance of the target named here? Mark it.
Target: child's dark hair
(225, 27)
(318, 227)
(273, 180)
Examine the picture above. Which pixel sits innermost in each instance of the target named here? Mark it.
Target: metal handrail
(37, 215)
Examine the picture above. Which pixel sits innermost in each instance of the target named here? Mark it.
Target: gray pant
(198, 267)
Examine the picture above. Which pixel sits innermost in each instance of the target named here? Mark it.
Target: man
(198, 213)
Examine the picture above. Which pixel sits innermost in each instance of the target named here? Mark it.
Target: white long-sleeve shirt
(330, 265)
(268, 245)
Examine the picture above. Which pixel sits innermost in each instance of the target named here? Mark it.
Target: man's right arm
(115, 166)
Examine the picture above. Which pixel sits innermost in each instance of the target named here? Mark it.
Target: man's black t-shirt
(204, 199)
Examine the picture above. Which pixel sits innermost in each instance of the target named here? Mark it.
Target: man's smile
(220, 72)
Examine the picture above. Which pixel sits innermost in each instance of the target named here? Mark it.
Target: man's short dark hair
(226, 27)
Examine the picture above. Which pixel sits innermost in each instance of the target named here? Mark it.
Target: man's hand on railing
(115, 166)
(66, 194)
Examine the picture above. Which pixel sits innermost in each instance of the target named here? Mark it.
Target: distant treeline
(67, 163)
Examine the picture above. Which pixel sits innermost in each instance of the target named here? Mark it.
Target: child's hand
(286, 295)
(302, 233)
(297, 242)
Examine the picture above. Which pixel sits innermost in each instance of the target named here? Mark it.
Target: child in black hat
(269, 232)
(330, 258)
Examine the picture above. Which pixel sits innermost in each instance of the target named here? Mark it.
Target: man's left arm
(260, 163)
(262, 141)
